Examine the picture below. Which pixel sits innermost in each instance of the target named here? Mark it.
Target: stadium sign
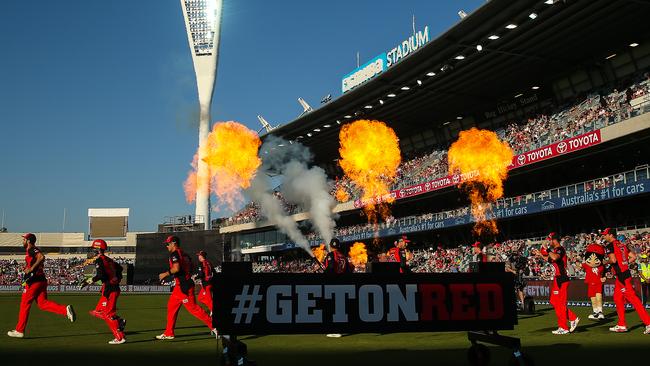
(567, 146)
(618, 190)
(318, 303)
(383, 61)
(541, 289)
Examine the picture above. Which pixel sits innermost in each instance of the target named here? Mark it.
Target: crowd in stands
(594, 111)
(456, 259)
(58, 271)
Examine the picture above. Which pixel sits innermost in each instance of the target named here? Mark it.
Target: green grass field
(58, 342)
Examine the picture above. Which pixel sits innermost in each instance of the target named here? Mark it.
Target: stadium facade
(507, 62)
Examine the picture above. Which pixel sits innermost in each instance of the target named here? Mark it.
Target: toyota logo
(521, 159)
(561, 147)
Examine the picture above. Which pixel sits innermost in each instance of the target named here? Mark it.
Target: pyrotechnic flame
(319, 252)
(358, 255)
(342, 195)
(482, 160)
(370, 156)
(231, 154)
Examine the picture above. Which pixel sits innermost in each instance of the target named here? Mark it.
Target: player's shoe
(70, 313)
(121, 324)
(573, 324)
(334, 335)
(164, 337)
(117, 341)
(618, 329)
(647, 329)
(601, 316)
(560, 331)
(593, 316)
(15, 334)
(215, 333)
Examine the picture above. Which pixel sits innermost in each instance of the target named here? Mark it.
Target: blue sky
(98, 102)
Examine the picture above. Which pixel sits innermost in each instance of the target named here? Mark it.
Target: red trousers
(558, 300)
(626, 292)
(106, 310)
(177, 299)
(36, 291)
(205, 296)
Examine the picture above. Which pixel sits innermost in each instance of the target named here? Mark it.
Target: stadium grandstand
(566, 84)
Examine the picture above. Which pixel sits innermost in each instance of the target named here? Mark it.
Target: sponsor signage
(383, 61)
(94, 288)
(531, 157)
(297, 304)
(618, 190)
(541, 290)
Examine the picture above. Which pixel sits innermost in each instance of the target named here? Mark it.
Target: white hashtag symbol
(247, 304)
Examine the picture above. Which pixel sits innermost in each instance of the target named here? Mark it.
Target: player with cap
(477, 253)
(180, 266)
(109, 273)
(335, 261)
(620, 258)
(35, 285)
(205, 273)
(400, 254)
(556, 255)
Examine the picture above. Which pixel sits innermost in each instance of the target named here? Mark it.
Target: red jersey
(398, 255)
(593, 274)
(621, 252)
(337, 263)
(185, 265)
(30, 259)
(559, 265)
(206, 273)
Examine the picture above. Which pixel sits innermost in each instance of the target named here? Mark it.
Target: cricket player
(205, 273)
(620, 259)
(36, 288)
(110, 274)
(336, 263)
(180, 266)
(400, 254)
(556, 255)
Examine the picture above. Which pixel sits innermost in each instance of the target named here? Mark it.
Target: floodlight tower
(203, 26)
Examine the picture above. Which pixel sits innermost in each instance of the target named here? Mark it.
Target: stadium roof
(562, 36)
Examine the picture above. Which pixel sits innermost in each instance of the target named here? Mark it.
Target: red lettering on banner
(547, 152)
(461, 302)
(490, 300)
(433, 296)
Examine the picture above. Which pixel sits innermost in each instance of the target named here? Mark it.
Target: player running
(336, 264)
(205, 273)
(620, 258)
(35, 285)
(556, 255)
(180, 266)
(110, 274)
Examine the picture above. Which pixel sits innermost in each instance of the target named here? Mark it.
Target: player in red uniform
(110, 274)
(180, 266)
(36, 288)
(335, 261)
(477, 253)
(205, 273)
(620, 258)
(400, 254)
(556, 255)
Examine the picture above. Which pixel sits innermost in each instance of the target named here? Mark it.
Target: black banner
(269, 303)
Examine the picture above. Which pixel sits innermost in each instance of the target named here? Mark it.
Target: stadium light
(532, 15)
(511, 26)
(518, 95)
(460, 57)
(338, 122)
(459, 117)
(203, 27)
(493, 37)
(419, 82)
(479, 47)
(347, 116)
(446, 123)
(391, 95)
(431, 73)
(316, 129)
(610, 56)
(549, 2)
(381, 102)
(634, 44)
(309, 134)
(405, 87)
(535, 87)
(327, 126)
(368, 107)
